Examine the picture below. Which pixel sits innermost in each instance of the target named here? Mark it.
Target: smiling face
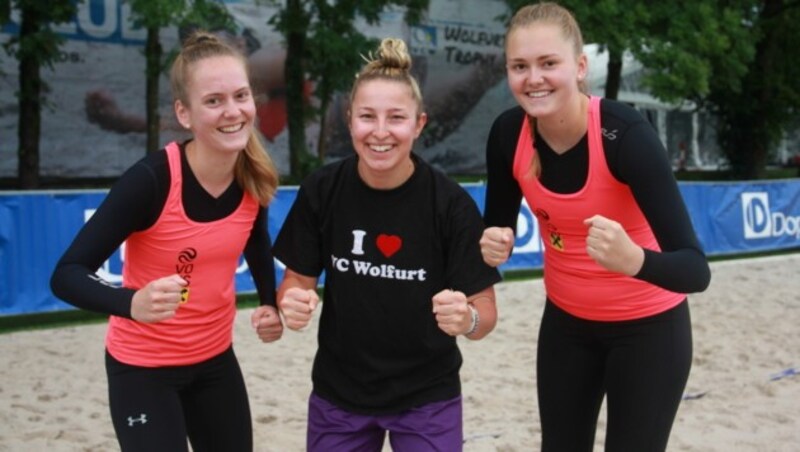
(384, 122)
(543, 68)
(219, 108)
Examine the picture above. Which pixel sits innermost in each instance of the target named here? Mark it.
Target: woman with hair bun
(404, 277)
(186, 214)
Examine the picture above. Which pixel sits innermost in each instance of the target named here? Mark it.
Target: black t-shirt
(635, 157)
(385, 254)
(133, 204)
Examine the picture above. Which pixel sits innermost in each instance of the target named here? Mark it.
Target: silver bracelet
(476, 319)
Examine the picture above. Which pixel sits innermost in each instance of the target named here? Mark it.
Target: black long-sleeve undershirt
(635, 157)
(134, 203)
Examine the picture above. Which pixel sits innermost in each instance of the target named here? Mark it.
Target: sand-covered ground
(743, 393)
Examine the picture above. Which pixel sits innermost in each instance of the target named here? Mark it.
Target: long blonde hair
(392, 62)
(254, 170)
(554, 14)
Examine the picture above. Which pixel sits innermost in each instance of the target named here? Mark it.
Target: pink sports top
(204, 254)
(573, 280)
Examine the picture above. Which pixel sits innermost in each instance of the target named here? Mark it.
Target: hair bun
(200, 37)
(392, 59)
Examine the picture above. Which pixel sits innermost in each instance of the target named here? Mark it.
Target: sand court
(743, 392)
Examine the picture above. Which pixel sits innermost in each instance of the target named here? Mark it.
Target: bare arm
(484, 303)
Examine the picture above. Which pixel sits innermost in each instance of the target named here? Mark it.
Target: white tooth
(232, 128)
(538, 94)
(383, 148)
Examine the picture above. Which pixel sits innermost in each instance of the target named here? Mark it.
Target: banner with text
(36, 228)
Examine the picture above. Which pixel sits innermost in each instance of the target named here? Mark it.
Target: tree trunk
(153, 54)
(295, 77)
(614, 73)
(322, 141)
(748, 147)
(30, 115)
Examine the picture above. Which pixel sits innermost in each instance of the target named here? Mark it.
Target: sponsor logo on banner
(755, 215)
(761, 222)
(528, 239)
(423, 40)
(108, 21)
(105, 272)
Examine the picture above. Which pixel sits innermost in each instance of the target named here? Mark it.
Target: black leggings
(156, 409)
(641, 366)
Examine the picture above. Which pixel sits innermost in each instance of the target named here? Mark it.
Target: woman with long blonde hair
(186, 214)
(620, 252)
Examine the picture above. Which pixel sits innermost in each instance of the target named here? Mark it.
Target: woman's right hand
(297, 306)
(158, 300)
(496, 245)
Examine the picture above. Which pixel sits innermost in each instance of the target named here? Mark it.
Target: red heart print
(389, 244)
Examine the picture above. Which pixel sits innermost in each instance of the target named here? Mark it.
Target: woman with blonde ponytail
(398, 242)
(185, 214)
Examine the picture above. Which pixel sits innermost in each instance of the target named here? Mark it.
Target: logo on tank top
(555, 239)
(184, 267)
(388, 245)
(609, 134)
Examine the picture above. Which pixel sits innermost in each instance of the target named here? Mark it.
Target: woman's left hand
(267, 323)
(611, 247)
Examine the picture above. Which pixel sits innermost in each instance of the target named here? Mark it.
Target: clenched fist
(267, 323)
(297, 306)
(452, 312)
(609, 245)
(496, 245)
(158, 300)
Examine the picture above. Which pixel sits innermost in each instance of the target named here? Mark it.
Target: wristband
(475, 321)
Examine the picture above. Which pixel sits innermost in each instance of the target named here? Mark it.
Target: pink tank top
(573, 280)
(206, 255)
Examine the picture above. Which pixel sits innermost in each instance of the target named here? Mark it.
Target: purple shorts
(433, 427)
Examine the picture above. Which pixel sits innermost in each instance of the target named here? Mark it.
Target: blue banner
(736, 217)
(36, 228)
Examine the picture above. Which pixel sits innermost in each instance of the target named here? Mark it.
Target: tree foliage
(616, 26)
(766, 102)
(36, 46)
(324, 46)
(153, 15)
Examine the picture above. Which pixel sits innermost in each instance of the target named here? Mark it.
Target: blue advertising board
(36, 227)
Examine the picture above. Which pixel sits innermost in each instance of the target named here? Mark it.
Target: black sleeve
(258, 254)
(641, 162)
(298, 245)
(466, 271)
(132, 204)
(503, 195)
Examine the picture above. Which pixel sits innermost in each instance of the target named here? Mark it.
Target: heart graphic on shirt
(389, 244)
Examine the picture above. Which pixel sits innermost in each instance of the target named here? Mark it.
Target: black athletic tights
(156, 409)
(641, 366)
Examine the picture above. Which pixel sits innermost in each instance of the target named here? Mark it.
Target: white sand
(53, 388)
